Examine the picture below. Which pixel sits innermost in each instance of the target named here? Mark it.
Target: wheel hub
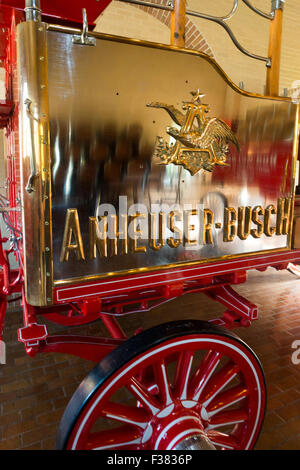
(197, 442)
(181, 429)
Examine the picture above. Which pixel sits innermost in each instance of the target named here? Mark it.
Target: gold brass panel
(103, 141)
(72, 229)
(35, 161)
(105, 120)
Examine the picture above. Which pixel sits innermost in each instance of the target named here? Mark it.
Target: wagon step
(32, 334)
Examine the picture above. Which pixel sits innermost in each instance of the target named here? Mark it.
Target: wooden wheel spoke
(225, 399)
(143, 396)
(222, 378)
(118, 438)
(182, 374)
(163, 383)
(204, 372)
(226, 418)
(125, 414)
(222, 440)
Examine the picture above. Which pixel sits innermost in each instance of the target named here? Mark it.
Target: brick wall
(150, 24)
(251, 30)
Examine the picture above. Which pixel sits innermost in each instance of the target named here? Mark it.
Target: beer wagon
(137, 173)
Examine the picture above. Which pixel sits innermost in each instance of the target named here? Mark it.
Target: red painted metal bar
(234, 302)
(222, 271)
(86, 347)
(113, 327)
(3, 306)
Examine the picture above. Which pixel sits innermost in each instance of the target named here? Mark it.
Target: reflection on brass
(262, 126)
(230, 228)
(244, 222)
(107, 239)
(201, 142)
(208, 223)
(269, 231)
(161, 231)
(97, 240)
(96, 108)
(35, 161)
(113, 235)
(165, 47)
(171, 241)
(136, 233)
(256, 212)
(72, 230)
(284, 209)
(187, 227)
(110, 242)
(33, 171)
(123, 234)
(97, 277)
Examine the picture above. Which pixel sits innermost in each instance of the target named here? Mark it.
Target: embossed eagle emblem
(201, 142)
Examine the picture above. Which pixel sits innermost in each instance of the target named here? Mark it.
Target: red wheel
(182, 385)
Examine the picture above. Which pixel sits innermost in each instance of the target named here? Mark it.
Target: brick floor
(35, 391)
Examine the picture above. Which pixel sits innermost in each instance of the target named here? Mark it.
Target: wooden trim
(178, 23)
(273, 72)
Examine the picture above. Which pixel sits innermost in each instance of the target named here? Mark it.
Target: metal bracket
(240, 312)
(222, 22)
(33, 170)
(268, 16)
(84, 39)
(277, 5)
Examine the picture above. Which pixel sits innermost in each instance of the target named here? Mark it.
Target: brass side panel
(103, 138)
(35, 162)
(89, 138)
